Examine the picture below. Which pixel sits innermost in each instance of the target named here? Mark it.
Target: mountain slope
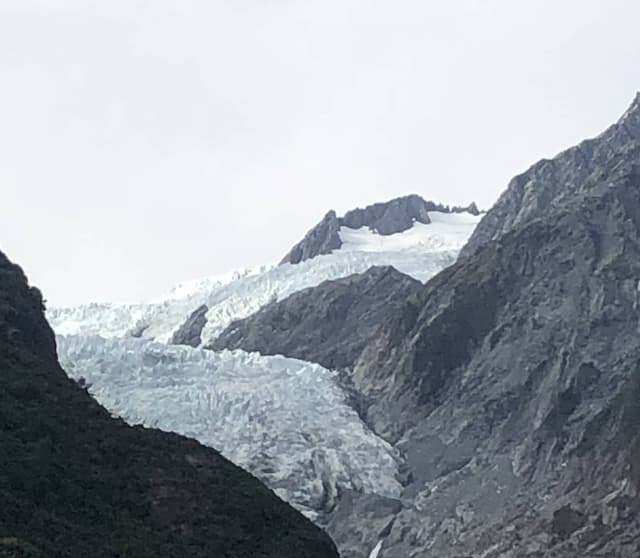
(511, 387)
(329, 324)
(76, 482)
(550, 183)
(509, 382)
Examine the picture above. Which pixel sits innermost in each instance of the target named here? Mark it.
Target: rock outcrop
(190, 333)
(75, 481)
(386, 218)
(552, 182)
(329, 324)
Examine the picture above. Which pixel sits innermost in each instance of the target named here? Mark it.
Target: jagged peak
(633, 110)
(385, 218)
(415, 201)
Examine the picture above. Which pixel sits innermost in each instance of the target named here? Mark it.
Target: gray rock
(375, 516)
(322, 239)
(510, 382)
(391, 217)
(190, 333)
(328, 324)
(386, 218)
(549, 183)
(513, 385)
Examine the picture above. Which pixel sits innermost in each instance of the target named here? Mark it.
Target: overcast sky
(147, 142)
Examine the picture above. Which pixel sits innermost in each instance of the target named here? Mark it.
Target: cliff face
(553, 182)
(511, 387)
(510, 381)
(76, 482)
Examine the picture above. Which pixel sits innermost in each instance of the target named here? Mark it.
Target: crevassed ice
(283, 419)
(420, 252)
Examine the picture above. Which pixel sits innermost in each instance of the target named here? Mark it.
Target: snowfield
(284, 420)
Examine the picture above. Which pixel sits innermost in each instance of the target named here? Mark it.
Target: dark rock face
(76, 482)
(321, 239)
(329, 324)
(387, 218)
(190, 333)
(391, 217)
(549, 183)
(511, 386)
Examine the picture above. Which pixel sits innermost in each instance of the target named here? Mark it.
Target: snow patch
(376, 551)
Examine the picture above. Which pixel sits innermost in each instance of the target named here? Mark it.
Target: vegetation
(75, 482)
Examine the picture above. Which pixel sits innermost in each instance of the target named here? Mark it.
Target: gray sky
(147, 142)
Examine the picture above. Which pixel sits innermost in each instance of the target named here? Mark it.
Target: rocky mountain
(385, 218)
(510, 383)
(76, 482)
(551, 182)
(503, 395)
(511, 388)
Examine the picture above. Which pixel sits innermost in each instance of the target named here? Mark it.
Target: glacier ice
(420, 252)
(285, 420)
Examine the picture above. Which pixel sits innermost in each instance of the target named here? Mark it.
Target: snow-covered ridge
(284, 420)
(420, 252)
(446, 232)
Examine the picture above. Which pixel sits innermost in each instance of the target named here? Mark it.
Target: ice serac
(293, 424)
(76, 482)
(553, 182)
(387, 218)
(285, 420)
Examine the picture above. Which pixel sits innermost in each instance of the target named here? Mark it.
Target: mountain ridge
(385, 218)
(549, 181)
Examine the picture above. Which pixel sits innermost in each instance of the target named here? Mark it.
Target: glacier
(421, 252)
(285, 420)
